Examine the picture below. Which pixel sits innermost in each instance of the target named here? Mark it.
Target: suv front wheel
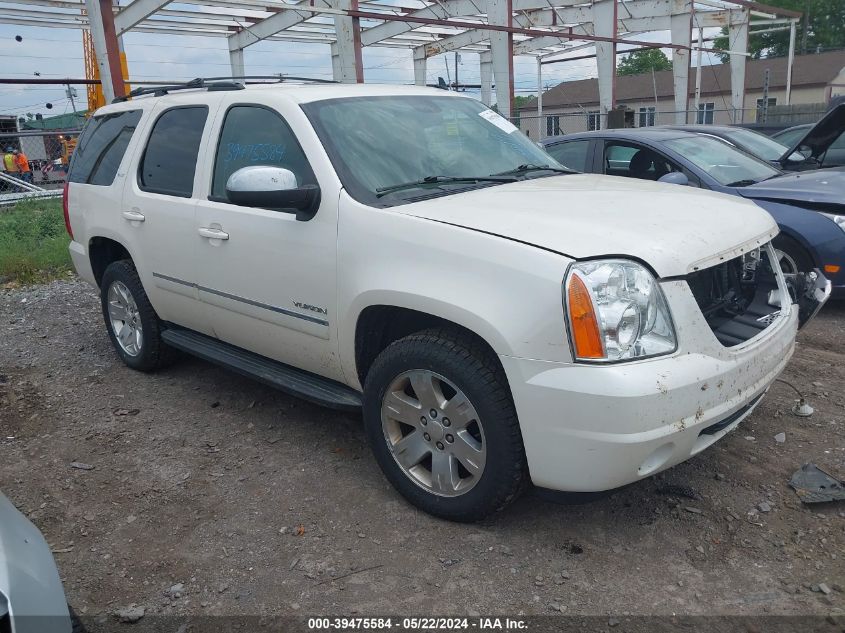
(133, 326)
(442, 424)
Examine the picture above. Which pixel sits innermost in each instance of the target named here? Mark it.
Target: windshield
(387, 150)
(791, 136)
(726, 164)
(757, 144)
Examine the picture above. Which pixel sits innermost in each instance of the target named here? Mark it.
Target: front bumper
(589, 428)
(30, 588)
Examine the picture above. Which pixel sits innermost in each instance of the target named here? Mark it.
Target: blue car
(808, 206)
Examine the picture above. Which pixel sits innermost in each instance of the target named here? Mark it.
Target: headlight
(839, 219)
(616, 312)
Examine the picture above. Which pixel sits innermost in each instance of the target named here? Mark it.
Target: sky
(57, 53)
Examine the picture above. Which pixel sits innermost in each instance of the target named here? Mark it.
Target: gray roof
(808, 70)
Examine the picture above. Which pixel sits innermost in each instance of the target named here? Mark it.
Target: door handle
(134, 216)
(213, 234)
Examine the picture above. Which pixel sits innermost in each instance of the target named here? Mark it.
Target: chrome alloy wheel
(434, 433)
(125, 319)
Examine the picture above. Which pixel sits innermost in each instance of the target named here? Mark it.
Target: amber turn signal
(585, 327)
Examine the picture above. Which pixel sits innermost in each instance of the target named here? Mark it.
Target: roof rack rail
(277, 78)
(215, 83)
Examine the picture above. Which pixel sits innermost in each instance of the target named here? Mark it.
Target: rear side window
(102, 146)
(170, 159)
(253, 135)
(572, 154)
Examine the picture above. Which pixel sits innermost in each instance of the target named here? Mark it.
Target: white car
(407, 251)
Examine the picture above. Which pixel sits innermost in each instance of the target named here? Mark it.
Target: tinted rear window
(170, 159)
(102, 146)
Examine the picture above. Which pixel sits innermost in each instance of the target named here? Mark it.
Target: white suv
(406, 250)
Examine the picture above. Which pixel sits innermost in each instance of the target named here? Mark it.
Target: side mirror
(272, 188)
(674, 178)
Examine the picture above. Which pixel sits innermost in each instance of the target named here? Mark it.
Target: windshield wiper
(743, 183)
(439, 180)
(528, 167)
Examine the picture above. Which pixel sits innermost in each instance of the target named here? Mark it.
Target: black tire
(471, 367)
(154, 353)
(794, 251)
(76, 624)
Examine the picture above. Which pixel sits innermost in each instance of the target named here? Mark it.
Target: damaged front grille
(739, 298)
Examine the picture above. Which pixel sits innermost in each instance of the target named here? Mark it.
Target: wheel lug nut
(427, 437)
(423, 420)
(450, 439)
(447, 422)
(440, 445)
(433, 413)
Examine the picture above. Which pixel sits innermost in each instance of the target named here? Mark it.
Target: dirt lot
(258, 503)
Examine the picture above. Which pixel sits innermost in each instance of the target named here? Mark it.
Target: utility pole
(457, 59)
(806, 27)
(71, 93)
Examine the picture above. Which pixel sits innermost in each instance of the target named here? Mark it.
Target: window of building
(594, 120)
(705, 113)
(102, 146)
(170, 159)
(253, 135)
(647, 116)
(553, 126)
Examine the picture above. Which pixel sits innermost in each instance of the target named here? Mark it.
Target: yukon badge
(308, 306)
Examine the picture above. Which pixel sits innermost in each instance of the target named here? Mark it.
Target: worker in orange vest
(9, 162)
(23, 166)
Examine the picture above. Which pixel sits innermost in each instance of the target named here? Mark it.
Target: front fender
(508, 293)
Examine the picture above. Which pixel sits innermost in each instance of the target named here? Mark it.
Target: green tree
(520, 102)
(643, 61)
(822, 27)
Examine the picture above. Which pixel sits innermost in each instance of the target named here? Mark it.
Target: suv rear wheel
(133, 326)
(442, 424)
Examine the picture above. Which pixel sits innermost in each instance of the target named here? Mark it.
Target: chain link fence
(553, 122)
(47, 154)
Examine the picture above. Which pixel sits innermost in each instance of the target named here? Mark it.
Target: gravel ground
(195, 491)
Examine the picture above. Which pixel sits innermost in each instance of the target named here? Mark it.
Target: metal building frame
(496, 29)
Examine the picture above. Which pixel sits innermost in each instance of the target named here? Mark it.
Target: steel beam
(604, 21)
(272, 25)
(347, 65)
(236, 61)
(790, 60)
(440, 11)
(105, 46)
(486, 71)
(499, 13)
(681, 23)
(136, 12)
(455, 42)
(738, 47)
(420, 65)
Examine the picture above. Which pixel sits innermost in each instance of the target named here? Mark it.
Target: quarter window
(102, 146)
(170, 159)
(572, 154)
(253, 135)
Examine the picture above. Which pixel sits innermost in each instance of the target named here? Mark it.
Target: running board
(295, 382)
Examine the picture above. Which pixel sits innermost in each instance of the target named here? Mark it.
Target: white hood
(672, 228)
